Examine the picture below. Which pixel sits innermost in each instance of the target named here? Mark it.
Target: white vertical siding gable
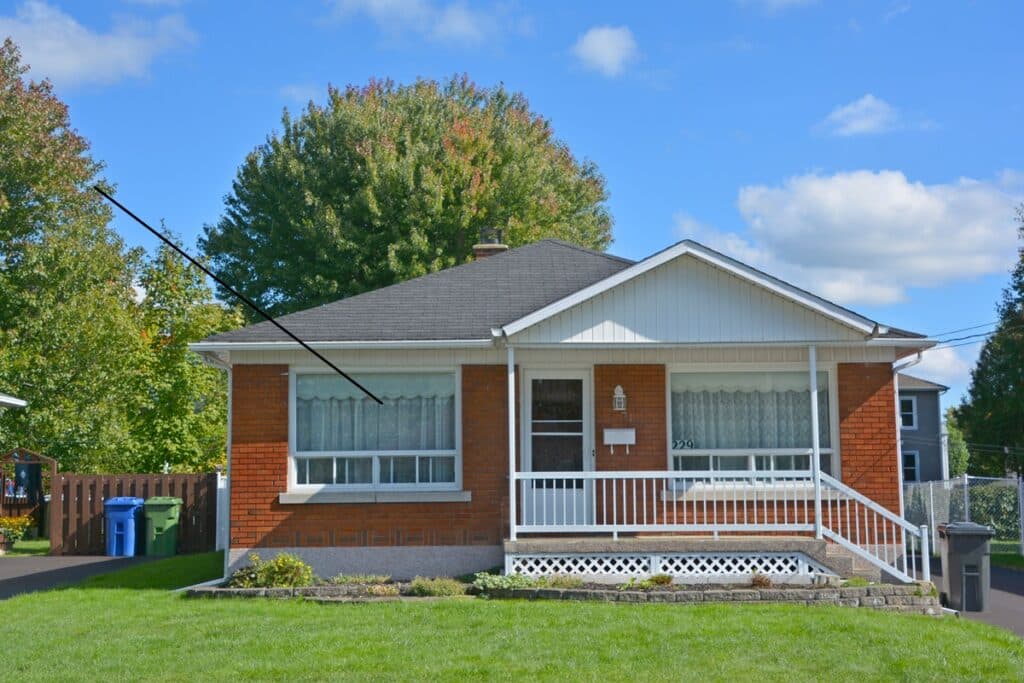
(687, 300)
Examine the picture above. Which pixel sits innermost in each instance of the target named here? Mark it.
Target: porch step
(541, 552)
(846, 564)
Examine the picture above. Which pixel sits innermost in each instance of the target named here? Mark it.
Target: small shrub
(439, 587)
(485, 581)
(349, 579)
(661, 580)
(760, 581)
(382, 589)
(635, 584)
(284, 571)
(856, 582)
(560, 581)
(14, 528)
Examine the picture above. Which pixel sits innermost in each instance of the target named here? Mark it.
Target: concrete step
(846, 564)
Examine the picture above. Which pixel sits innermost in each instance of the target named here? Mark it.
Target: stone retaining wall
(916, 599)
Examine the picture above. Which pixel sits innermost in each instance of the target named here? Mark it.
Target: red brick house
(560, 410)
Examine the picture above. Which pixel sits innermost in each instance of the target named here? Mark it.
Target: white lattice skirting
(692, 566)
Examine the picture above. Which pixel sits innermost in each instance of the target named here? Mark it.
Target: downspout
(896, 370)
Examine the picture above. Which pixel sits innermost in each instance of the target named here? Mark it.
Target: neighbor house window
(911, 466)
(908, 412)
(344, 438)
(733, 421)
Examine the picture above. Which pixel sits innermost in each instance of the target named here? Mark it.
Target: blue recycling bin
(124, 526)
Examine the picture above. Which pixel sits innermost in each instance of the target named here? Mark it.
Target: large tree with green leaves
(992, 417)
(182, 412)
(69, 340)
(388, 182)
(957, 450)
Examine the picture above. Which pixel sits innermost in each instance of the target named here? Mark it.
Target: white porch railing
(719, 502)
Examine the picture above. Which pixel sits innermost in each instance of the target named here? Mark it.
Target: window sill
(349, 497)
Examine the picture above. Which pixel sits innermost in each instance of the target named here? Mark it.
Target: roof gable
(690, 248)
(458, 304)
(687, 297)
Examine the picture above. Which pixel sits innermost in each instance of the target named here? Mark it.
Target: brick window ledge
(313, 497)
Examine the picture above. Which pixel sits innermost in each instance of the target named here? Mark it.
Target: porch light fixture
(618, 398)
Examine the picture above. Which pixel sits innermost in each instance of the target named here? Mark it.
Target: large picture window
(747, 420)
(344, 438)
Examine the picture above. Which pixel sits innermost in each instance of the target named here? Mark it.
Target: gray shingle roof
(911, 383)
(463, 302)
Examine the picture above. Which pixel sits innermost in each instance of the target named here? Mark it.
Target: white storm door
(558, 430)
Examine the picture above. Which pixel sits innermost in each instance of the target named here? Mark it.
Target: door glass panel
(557, 399)
(557, 453)
(556, 426)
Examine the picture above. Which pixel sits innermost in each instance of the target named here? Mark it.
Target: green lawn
(126, 626)
(1008, 560)
(23, 548)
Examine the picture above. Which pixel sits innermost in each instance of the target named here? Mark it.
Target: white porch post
(512, 442)
(812, 367)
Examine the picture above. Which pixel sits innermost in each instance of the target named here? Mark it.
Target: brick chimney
(489, 245)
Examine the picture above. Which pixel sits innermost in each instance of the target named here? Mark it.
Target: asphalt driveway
(36, 573)
(1006, 603)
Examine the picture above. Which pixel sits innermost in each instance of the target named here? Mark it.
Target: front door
(558, 434)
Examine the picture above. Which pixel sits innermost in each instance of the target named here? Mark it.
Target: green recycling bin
(162, 514)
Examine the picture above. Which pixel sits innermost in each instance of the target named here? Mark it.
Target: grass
(1005, 547)
(25, 548)
(1008, 560)
(125, 625)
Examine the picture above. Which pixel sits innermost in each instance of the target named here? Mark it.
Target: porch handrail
(894, 554)
(667, 474)
(608, 501)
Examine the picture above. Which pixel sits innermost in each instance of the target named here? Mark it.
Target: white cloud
(773, 6)
(866, 236)
(301, 92)
(895, 12)
(945, 366)
(455, 23)
(865, 116)
(57, 47)
(606, 49)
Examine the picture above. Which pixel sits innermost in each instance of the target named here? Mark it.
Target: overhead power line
(963, 329)
(241, 297)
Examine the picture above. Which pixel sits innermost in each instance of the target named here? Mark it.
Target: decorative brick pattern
(259, 458)
(645, 411)
(867, 431)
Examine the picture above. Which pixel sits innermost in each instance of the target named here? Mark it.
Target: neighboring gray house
(922, 437)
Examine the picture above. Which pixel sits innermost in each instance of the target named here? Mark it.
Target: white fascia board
(201, 347)
(909, 343)
(7, 401)
(799, 344)
(680, 249)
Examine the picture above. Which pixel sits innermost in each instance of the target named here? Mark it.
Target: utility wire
(963, 329)
(244, 299)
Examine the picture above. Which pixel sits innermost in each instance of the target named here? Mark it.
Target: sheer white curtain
(418, 413)
(746, 410)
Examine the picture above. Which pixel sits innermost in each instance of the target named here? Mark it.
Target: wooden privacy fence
(77, 524)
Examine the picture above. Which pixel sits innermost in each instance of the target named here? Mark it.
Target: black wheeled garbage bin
(966, 572)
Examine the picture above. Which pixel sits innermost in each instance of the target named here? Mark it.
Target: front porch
(707, 524)
(745, 450)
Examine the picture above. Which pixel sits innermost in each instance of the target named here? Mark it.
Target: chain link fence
(985, 500)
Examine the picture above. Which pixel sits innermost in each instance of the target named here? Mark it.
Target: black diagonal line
(244, 299)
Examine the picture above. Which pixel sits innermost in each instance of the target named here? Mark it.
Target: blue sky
(868, 151)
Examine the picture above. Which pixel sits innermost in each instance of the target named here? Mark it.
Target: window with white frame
(345, 439)
(911, 466)
(733, 421)
(908, 412)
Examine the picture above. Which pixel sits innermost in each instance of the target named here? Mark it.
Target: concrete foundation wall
(400, 563)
